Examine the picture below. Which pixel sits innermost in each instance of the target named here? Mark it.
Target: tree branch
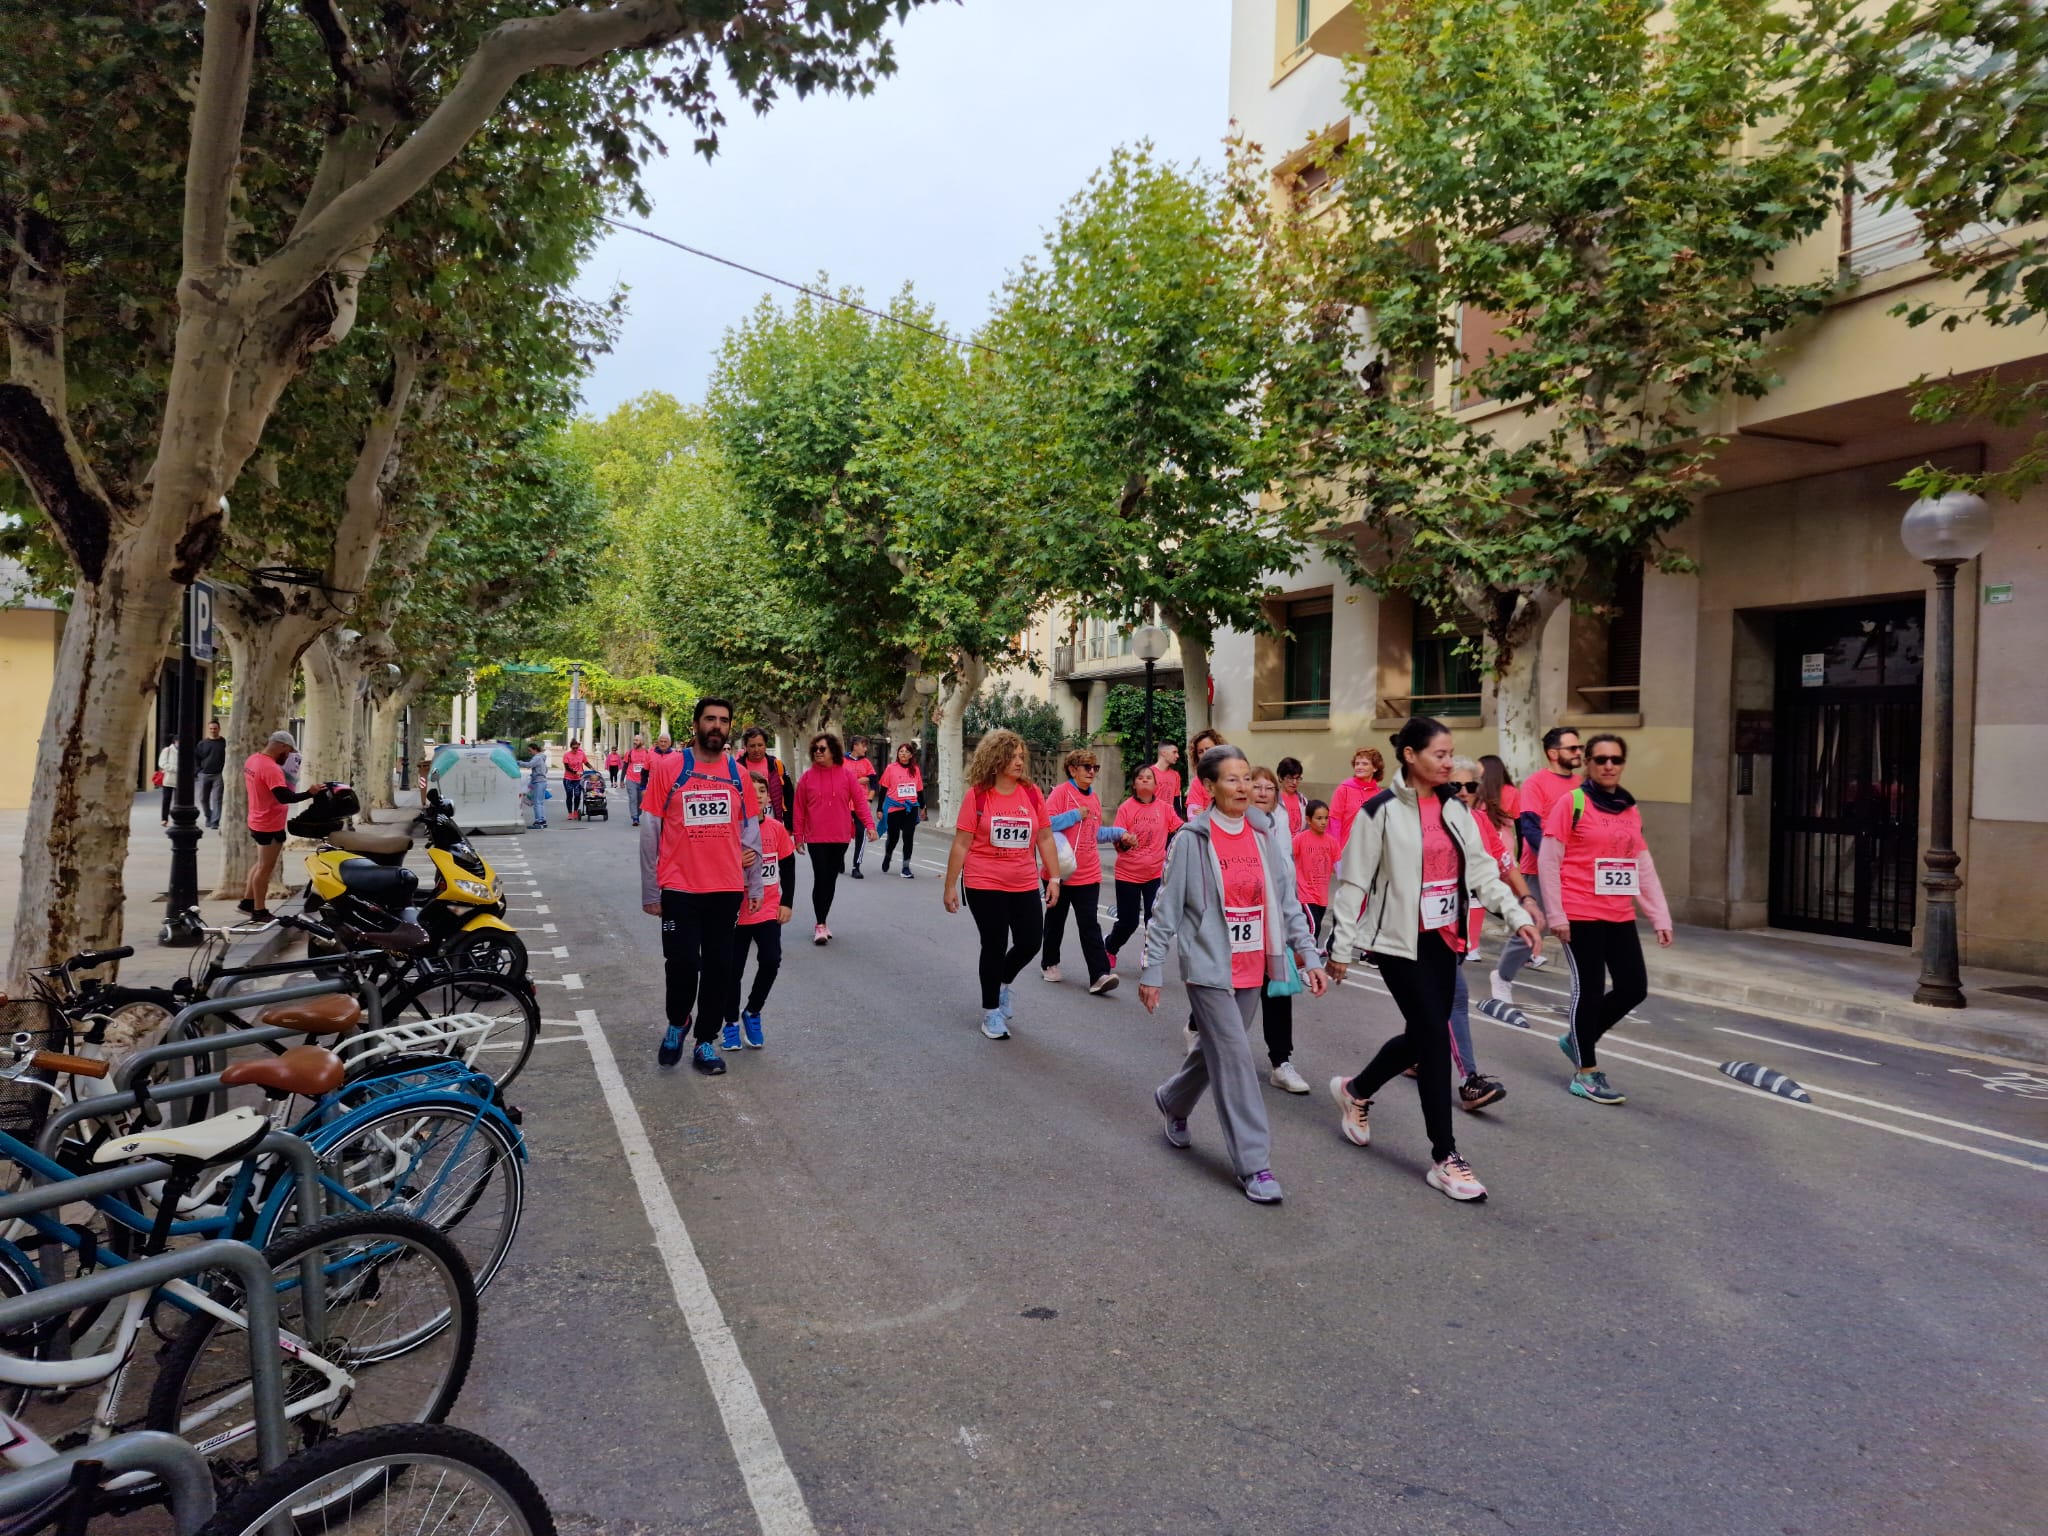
(362, 521)
(218, 114)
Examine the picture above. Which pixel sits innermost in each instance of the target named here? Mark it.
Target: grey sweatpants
(1223, 1056)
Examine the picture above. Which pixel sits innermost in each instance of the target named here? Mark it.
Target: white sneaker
(1503, 991)
(1050, 973)
(1539, 962)
(1454, 1176)
(1106, 982)
(1284, 1076)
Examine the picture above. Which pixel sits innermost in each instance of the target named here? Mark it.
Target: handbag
(1289, 985)
(156, 778)
(1065, 850)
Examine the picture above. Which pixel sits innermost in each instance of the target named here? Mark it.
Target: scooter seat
(372, 844)
(390, 887)
(203, 1140)
(334, 1013)
(405, 939)
(306, 1070)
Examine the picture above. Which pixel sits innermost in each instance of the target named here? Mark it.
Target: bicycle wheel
(508, 1004)
(400, 1479)
(445, 1163)
(400, 1321)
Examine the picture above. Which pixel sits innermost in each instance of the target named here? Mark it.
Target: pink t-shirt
(1537, 794)
(1151, 822)
(1297, 810)
(1004, 853)
(777, 849)
(1198, 796)
(1244, 902)
(1315, 858)
(903, 784)
(1087, 857)
(1166, 783)
(1346, 801)
(1439, 874)
(699, 839)
(1602, 858)
(260, 775)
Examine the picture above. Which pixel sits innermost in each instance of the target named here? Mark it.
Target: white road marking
(970, 1442)
(513, 1045)
(570, 980)
(771, 1485)
(1793, 1045)
(541, 909)
(561, 950)
(547, 927)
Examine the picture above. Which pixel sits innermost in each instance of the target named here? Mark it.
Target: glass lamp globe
(1946, 529)
(1150, 642)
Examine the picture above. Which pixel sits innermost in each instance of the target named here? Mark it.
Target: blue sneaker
(993, 1026)
(729, 1038)
(671, 1050)
(752, 1024)
(1594, 1086)
(705, 1059)
(1564, 1043)
(1003, 1002)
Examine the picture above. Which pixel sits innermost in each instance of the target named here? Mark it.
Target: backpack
(732, 768)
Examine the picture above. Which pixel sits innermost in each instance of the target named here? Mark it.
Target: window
(1446, 680)
(1301, 27)
(1607, 649)
(1306, 664)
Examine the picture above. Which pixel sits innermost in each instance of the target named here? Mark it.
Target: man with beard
(700, 849)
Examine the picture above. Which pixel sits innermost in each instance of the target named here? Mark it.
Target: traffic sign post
(181, 911)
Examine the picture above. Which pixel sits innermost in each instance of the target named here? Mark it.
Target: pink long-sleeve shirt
(828, 800)
(1575, 860)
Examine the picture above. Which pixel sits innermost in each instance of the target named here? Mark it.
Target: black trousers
(765, 939)
(1131, 896)
(902, 824)
(1011, 924)
(697, 954)
(613, 771)
(828, 863)
(1277, 1018)
(1422, 989)
(859, 841)
(1600, 953)
(1084, 902)
(1316, 915)
(572, 792)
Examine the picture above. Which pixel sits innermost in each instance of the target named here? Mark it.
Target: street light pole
(1150, 643)
(180, 928)
(1944, 532)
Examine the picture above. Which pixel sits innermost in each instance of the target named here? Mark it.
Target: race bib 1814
(1009, 833)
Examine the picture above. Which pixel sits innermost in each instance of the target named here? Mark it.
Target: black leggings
(696, 953)
(1277, 1018)
(1015, 918)
(1422, 989)
(572, 792)
(1084, 901)
(766, 940)
(1597, 953)
(1131, 895)
(901, 824)
(828, 863)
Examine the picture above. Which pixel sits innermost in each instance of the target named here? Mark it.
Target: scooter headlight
(477, 890)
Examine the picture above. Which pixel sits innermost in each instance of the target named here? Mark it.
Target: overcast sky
(946, 176)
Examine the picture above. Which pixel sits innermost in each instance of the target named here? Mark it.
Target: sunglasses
(821, 751)
(1465, 786)
(1608, 762)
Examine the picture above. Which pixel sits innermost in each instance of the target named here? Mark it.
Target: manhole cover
(2031, 993)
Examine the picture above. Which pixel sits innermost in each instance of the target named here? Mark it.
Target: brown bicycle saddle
(306, 1070)
(333, 1013)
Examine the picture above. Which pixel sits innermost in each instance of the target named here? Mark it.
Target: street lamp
(1150, 642)
(1944, 532)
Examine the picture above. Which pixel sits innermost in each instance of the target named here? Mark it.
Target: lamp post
(1150, 642)
(180, 928)
(576, 708)
(1944, 532)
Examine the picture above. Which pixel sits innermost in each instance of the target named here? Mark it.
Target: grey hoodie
(1189, 908)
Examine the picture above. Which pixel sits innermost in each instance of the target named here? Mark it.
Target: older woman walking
(1228, 902)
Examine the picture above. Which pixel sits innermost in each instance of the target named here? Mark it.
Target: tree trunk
(904, 716)
(958, 693)
(264, 673)
(75, 845)
(1517, 685)
(1194, 671)
(330, 741)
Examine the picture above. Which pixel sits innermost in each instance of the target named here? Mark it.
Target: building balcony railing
(1291, 709)
(1446, 706)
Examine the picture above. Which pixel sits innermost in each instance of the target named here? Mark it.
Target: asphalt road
(960, 1286)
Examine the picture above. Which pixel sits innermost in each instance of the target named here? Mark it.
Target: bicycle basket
(23, 1106)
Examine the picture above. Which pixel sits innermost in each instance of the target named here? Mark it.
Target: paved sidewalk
(148, 877)
(1865, 986)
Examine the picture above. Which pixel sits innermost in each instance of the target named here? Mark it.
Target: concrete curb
(1989, 1032)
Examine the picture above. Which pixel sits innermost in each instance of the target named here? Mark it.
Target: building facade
(1774, 700)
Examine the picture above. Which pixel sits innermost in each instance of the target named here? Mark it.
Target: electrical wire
(816, 293)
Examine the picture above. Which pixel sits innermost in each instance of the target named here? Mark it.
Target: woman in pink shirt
(902, 805)
(1315, 855)
(830, 799)
(1150, 819)
(1198, 789)
(1367, 768)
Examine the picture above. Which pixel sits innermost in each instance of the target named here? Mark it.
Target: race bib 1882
(706, 807)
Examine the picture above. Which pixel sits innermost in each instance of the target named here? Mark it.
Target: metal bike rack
(259, 1303)
(171, 1461)
(207, 1007)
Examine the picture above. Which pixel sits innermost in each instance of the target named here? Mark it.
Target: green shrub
(1124, 718)
(1036, 720)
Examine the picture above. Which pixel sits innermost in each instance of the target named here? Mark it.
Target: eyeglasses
(1465, 786)
(1608, 762)
(821, 751)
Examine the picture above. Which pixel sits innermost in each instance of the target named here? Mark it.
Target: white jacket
(167, 764)
(1382, 867)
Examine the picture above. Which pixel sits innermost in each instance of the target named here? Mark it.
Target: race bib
(1439, 903)
(1009, 833)
(1614, 877)
(1247, 929)
(771, 872)
(707, 807)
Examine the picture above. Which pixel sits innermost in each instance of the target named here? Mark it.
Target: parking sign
(199, 620)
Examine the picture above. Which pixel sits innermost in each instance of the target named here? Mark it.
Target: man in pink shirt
(269, 792)
(639, 763)
(1535, 795)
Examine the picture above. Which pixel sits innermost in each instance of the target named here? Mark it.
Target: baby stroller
(595, 807)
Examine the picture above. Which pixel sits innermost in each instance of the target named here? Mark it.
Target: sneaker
(1564, 1043)
(1284, 1076)
(262, 915)
(671, 1050)
(885, 863)
(1176, 1129)
(245, 905)
(855, 872)
(819, 935)
(1539, 962)
(1594, 1086)
(1354, 1126)
(993, 1026)
(1476, 1092)
(1103, 984)
(1003, 1001)
(1454, 1176)
(1262, 1188)
(1050, 973)
(751, 1023)
(729, 1038)
(636, 821)
(705, 1059)
(1410, 1072)
(1507, 1013)
(909, 873)
(1112, 962)
(1503, 990)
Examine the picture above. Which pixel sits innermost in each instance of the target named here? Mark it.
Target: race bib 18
(1247, 929)
(1439, 903)
(1614, 877)
(1009, 832)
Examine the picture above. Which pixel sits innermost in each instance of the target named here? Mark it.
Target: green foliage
(1594, 183)
(1123, 716)
(999, 708)
(1942, 107)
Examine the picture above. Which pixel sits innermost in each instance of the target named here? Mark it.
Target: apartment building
(1774, 700)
